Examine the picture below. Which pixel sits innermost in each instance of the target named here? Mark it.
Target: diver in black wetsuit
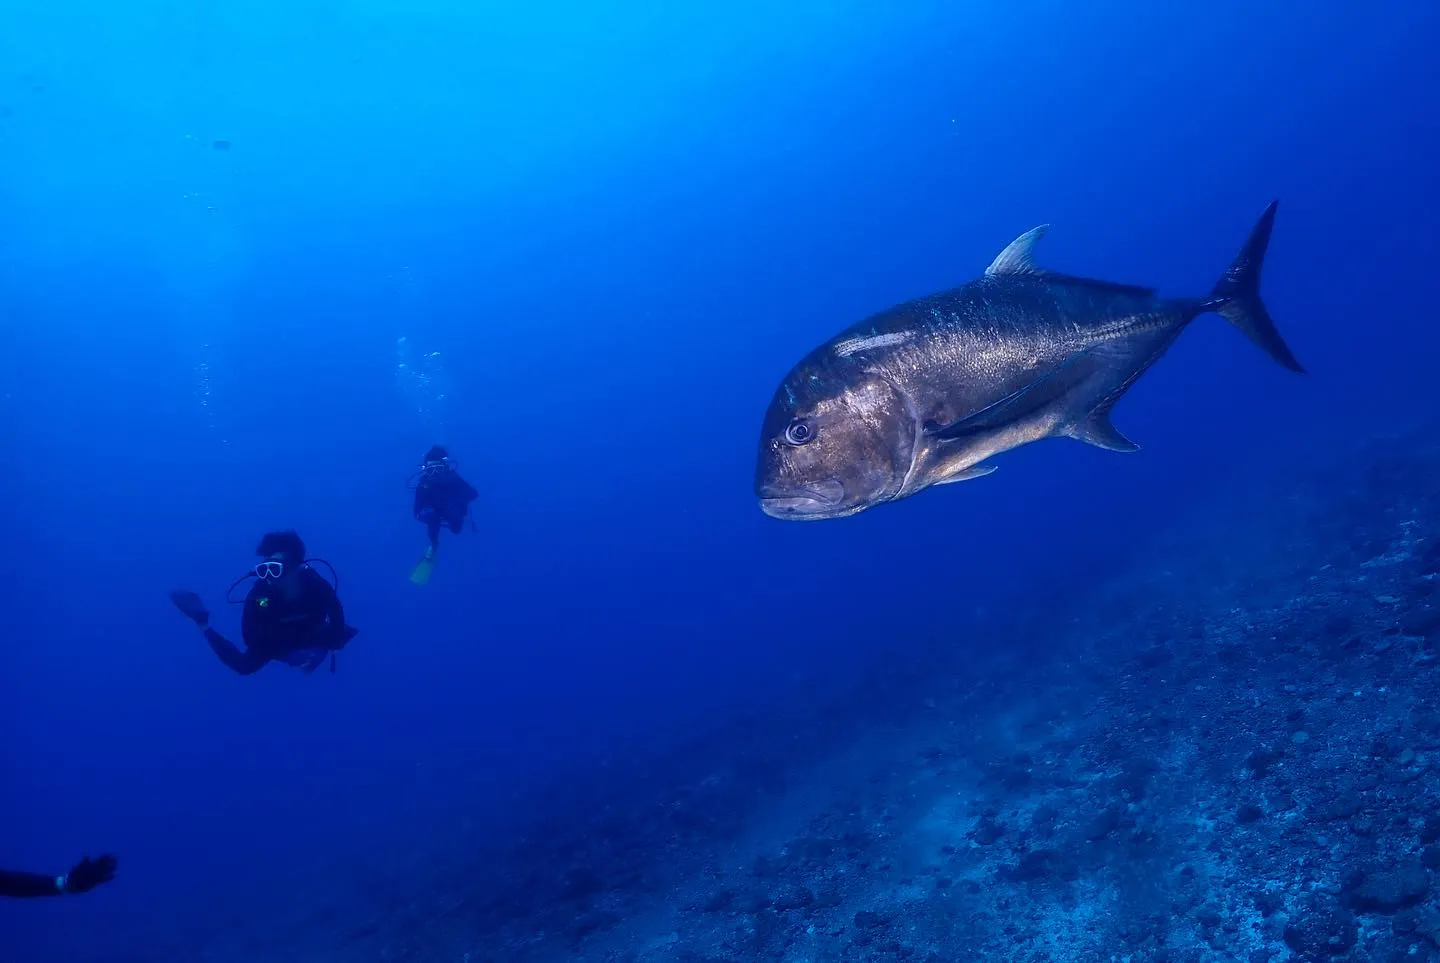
(442, 497)
(292, 614)
(82, 878)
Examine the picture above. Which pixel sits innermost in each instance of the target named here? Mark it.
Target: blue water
(580, 244)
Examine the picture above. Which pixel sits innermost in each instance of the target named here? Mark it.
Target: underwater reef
(1228, 750)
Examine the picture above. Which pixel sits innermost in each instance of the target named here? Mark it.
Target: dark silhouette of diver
(442, 499)
(82, 878)
(292, 613)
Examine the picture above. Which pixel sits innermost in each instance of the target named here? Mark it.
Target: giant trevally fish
(926, 392)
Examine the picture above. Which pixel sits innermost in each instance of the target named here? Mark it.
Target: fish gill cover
(568, 692)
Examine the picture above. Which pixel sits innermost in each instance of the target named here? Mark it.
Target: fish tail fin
(1236, 296)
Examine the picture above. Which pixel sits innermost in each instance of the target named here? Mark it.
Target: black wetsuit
(299, 631)
(82, 878)
(15, 883)
(443, 499)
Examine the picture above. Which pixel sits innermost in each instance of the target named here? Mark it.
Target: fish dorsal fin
(1019, 260)
(1019, 256)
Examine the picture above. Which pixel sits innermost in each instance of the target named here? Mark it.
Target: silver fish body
(926, 392)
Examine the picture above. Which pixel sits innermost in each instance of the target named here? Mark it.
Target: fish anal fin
(1098, 430)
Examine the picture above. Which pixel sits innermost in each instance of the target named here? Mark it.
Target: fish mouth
(810, 502)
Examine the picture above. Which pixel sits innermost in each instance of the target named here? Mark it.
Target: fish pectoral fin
(1097, 430)
(1015, 406)
(964, 474)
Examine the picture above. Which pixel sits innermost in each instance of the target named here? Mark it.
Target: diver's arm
(13, 883)
(322, 600)
(335, 612)
(466, 491)
(245, 663)
(82, 878)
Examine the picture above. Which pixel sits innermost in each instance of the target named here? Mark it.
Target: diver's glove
(190, 604)
(87, 874)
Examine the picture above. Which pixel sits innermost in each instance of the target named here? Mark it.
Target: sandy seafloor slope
(1228, 751)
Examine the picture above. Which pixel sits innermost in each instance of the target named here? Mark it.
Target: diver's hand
(88, 874)
(189, 603)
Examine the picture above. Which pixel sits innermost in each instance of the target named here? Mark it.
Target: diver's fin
(1097, 430)
(1018, 258)
(963, 474)
(421, 573)
(1020, 403)
(190, 604)
(1236, 296)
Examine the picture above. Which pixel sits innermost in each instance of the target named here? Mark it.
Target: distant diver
(292, 613)
(442, 498)
(82, 878)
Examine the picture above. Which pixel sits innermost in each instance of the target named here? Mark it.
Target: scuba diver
(442, 498)
(82, 878)
(292, 613)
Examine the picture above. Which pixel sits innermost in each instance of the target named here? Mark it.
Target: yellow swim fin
(421, 573)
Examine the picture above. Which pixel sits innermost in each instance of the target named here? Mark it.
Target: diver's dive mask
(273, 569)
(435, 467)
(270, 570)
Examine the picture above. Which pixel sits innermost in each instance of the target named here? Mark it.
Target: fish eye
(798, 432)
